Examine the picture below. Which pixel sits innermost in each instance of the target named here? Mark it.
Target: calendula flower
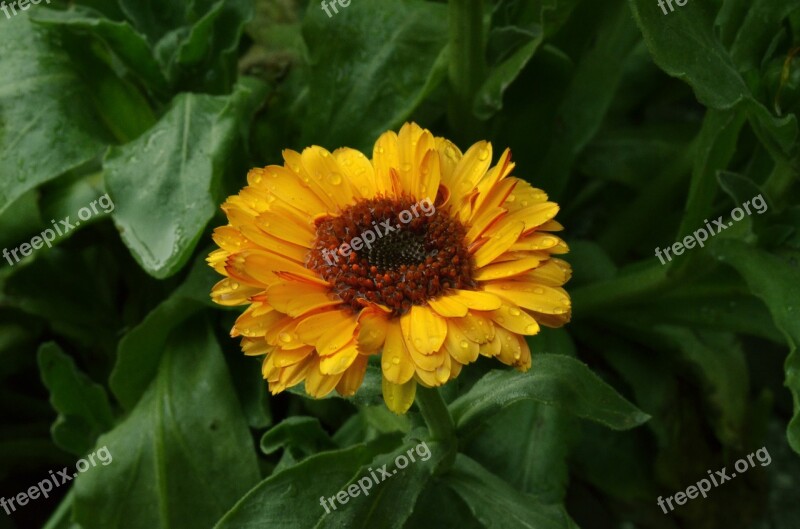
(423, 255)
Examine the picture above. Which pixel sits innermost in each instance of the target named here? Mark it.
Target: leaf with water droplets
(555, 380)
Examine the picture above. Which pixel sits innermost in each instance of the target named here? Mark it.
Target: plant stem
(467, 63)
(439, 421)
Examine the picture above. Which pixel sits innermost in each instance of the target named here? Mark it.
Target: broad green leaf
(540, 436)
(183, 456)
(370, 64)
(555, 380)
(439, 506)
(301, 435)
(777, 283)
(715, 147)
(718, 361)
(685, 46)
(763, 21)
(588, 98)
(548, 15)
(140, 350)
(54, 286)
(498, 505)
(162, 217)
(390, 502)
(125, 42)
(82, 405)
(41, 95)
(292, 497)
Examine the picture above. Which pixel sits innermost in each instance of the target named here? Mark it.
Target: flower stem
(439, 421)
(467, 63)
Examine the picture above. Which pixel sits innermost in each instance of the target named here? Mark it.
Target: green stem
(467, 63)
(439, 421)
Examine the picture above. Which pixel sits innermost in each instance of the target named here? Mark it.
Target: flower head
(423, 255)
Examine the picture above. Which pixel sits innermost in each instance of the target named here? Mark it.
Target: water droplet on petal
(464, 344)
(335, 178)
(530, 328)
(285, 337)
(514, 311)
(395, 360)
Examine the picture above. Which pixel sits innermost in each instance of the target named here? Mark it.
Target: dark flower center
(395, 252)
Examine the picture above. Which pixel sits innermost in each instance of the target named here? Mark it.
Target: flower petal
(353, 378)
(399, 397)
(396, 362)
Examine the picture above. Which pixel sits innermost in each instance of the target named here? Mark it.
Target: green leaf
(183, 456)
(40, 95)
(684, 45)
(548, 14)
(291, 498)
(777, 283)
(82, 405)
(588, 98)
(140, 350)
(719, 364)
(388, 503)
(125, 42)
(302, 436)
(556, 380)
(370, 64)
(497, 504)
(162, 217)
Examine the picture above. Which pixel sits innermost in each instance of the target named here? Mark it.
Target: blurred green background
(642, 125)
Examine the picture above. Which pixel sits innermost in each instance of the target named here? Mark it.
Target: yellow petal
(311, 328)
(459, 346)
(499, 242)
(449, 156)
(338, 362)
(230, 292)
(325, 171)
(448, 307)
(515, 320)
(423, 328)
(471, 169)
(318, 384)
(532, 296)
(286, 223)
(295, 298)
(506, 269)
(477, 300)
(286, 186)
(384, 158)
(287, 357)
(554, 273)
(372, 331)
(396, 362)
(256, 347)
(353, 377)
(476, 328)
(358, 170)
(337, 337)
(541, 241)
(399, 397)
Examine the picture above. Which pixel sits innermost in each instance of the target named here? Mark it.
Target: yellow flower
(423, 255)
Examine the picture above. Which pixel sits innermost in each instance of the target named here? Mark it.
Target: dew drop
(514, 311)
(530, 328)
(395, 360)
(335, 178)
(538, 290)
(464, 344)
(285, 337)
(483, 154)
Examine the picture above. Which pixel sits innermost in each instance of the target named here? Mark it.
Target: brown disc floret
(415, 253)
